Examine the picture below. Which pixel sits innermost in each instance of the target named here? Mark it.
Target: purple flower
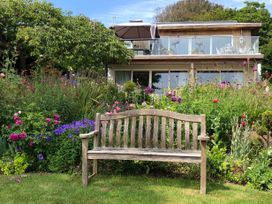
(75, 126)
(70, 136)
(174, 98)
(49, 138)
(40, 157)
(179, 99)
(148, 90)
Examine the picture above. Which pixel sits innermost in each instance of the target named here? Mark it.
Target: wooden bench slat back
(149, 128)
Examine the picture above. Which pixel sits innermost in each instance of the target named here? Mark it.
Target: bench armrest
(203, 138)
(88, 135)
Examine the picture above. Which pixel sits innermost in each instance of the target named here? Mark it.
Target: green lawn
(61, 188)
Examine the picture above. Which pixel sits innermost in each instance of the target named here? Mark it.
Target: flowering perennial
(75, 126)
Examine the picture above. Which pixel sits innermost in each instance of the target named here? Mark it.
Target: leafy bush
(216, 164)
(64, 152)
(16, 165)
(259, 174)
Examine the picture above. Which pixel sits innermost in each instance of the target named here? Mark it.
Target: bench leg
(85, 162)
(203, 169)
(95, 166)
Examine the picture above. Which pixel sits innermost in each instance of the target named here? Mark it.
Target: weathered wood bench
(148, 135)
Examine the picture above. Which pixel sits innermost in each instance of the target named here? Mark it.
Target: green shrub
(216, 162)
(16, 165)
(259, 174)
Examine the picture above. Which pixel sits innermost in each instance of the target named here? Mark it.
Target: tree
(185, 10)
(38, 34)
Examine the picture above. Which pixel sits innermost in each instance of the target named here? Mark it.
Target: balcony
(196, 46)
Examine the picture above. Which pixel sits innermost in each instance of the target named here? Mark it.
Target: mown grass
(62, 188)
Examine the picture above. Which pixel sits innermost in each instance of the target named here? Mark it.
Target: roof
(207, 25)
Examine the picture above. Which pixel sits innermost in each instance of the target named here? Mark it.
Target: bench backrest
(149, 128)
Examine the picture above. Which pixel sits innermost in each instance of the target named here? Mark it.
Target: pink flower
(255, 68)
(22, 135)
(169, 94)
(56, 122)
(14, 137)
(108, 113)
(48, 120)
(30, 144)
(2, 75)
(15, 117)
(9, 126)
(215, 100)
(18, 122)
(118, 109)
(56, 117)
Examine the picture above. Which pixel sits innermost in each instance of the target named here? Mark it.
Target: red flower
(253, 123)
(243, 123)
(243, 116)
(215, 100)
(9, 126)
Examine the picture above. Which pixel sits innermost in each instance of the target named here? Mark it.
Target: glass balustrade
(197, 45)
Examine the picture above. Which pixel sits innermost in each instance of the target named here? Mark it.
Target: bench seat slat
(144, 155)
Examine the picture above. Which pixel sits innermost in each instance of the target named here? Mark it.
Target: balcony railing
(196, 45)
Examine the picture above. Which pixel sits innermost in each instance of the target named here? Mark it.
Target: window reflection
(122, 77)
(232, 77)
(208, 77)
(141, 78)
(201, 45)
(178, 79)
(160, 81)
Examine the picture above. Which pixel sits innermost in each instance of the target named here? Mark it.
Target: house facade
(176, 54)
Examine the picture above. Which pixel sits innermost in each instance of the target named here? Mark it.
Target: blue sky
(120, 11)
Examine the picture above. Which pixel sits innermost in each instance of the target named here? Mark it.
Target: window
(141, 78)
(178, 79)
(180, 46)
(208, 77)
(232, 77)
(222, 45)
(201, 45)
(122, 77)
(160, 81)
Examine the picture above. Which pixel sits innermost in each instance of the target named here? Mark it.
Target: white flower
(19, 112)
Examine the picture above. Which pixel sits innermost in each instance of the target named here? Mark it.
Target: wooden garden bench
(148, 135)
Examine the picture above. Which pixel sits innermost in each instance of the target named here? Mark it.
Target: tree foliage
(186, 10)
(38, 34)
